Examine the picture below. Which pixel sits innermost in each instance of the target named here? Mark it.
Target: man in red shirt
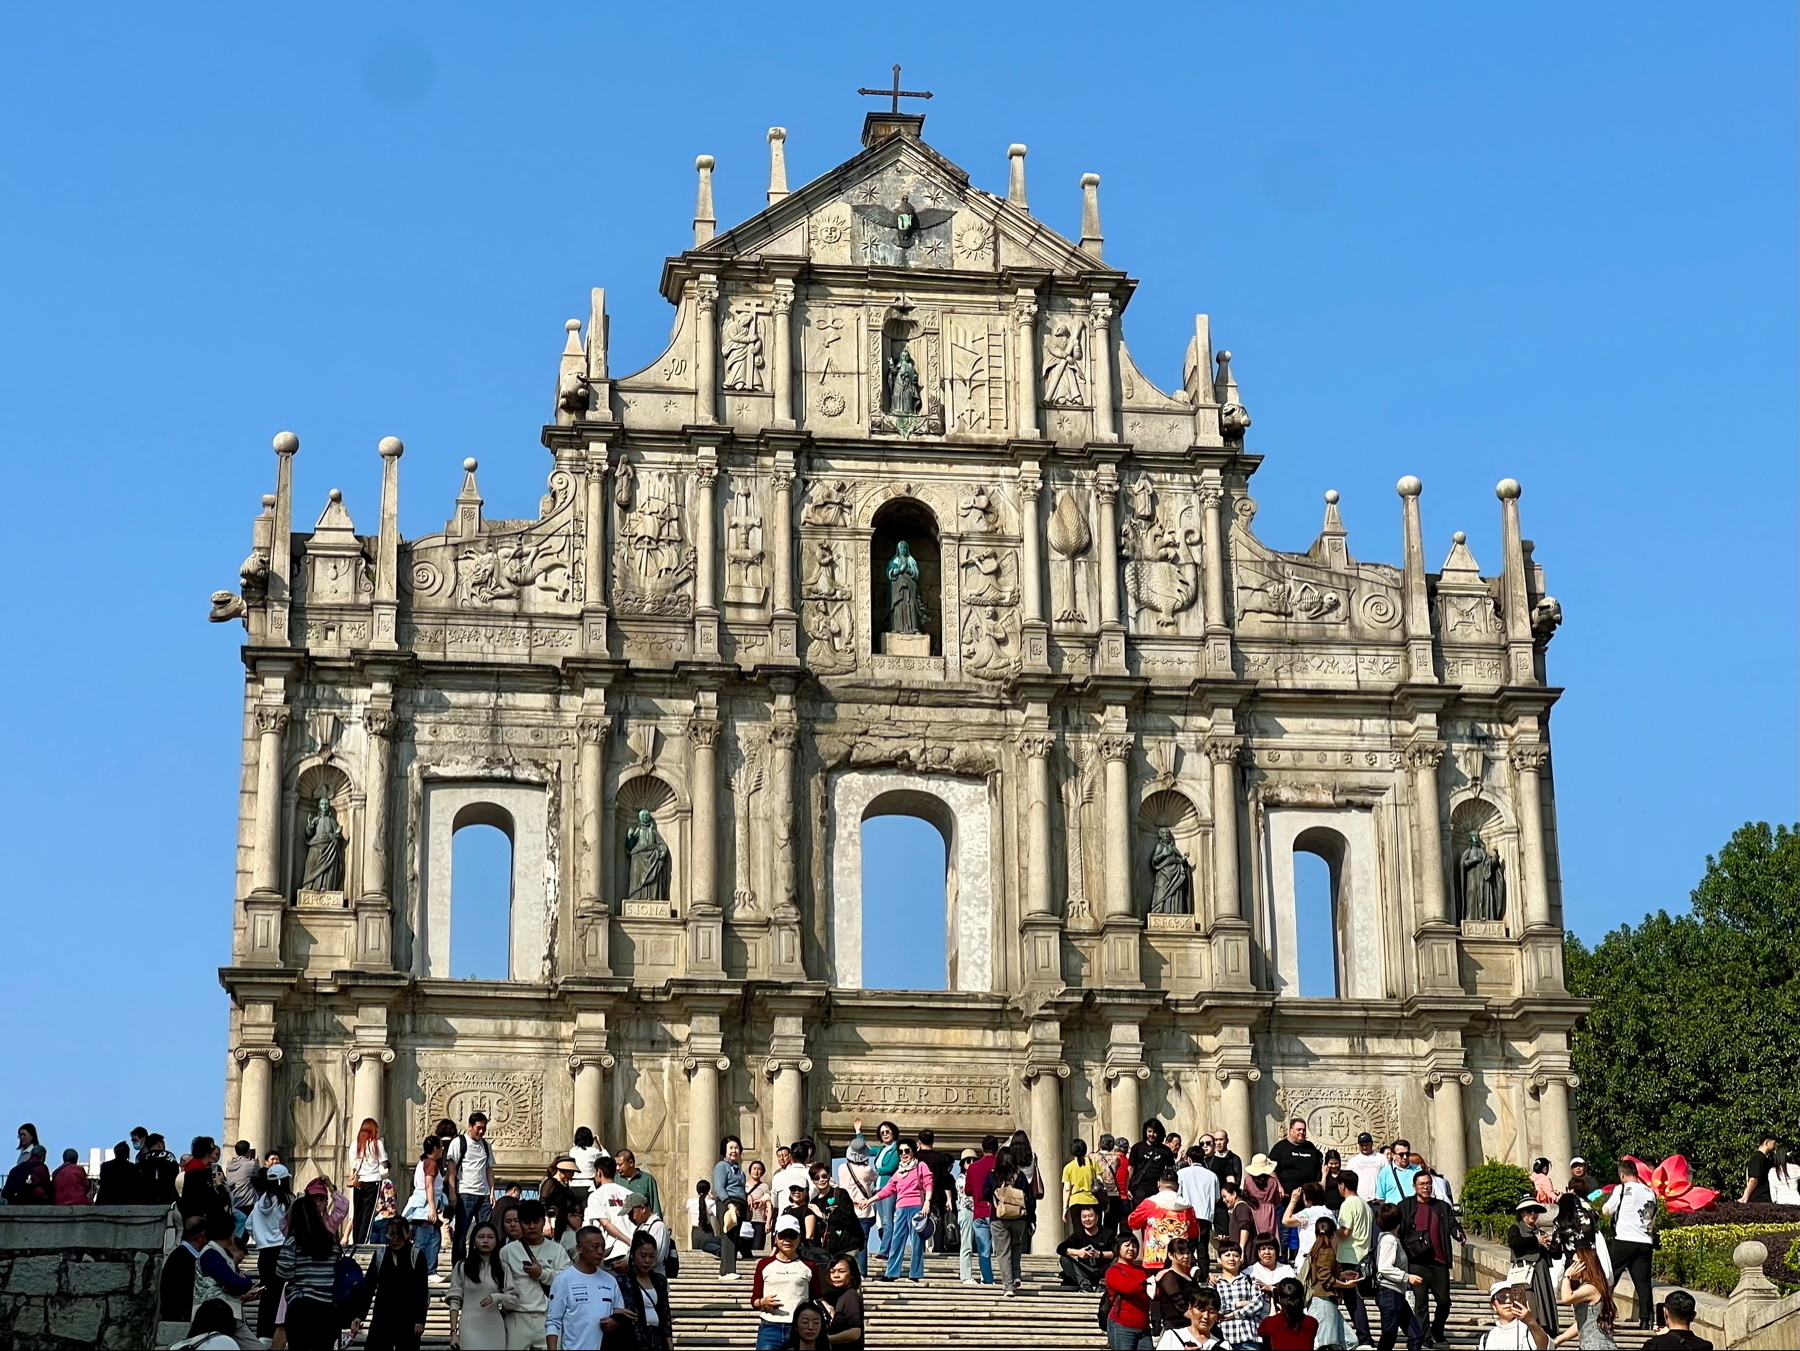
(975, 1178)
(69, 1184)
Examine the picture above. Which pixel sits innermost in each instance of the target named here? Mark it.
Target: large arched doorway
(906, 893)
(958, 811)
(908, 520)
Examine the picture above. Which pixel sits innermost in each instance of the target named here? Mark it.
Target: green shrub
(1494, 1188)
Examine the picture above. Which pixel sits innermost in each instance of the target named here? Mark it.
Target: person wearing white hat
(782, 1283)
(267, 1226)
(1515, 1329)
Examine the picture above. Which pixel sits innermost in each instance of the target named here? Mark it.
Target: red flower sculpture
(1672, 1184)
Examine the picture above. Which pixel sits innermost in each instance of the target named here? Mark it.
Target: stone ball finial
(1015, 151)
(336, 494)
(704, 161)
(571, 326)
(1331, 497)
(1409, 486)
(286, 443)
(778, 133)
(471, 464)
(390, 447)
(1749, 1255)
(1508, 490)
(1090, 180)
(268, 501)
(1459, 537)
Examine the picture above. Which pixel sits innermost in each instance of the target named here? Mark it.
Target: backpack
(1009, 1203)
(1106, 1174)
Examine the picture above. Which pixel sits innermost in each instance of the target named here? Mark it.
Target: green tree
(1692, 1044)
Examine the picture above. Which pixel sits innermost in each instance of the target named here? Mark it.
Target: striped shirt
(308, 1277)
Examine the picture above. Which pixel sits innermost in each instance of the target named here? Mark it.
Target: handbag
(1009, 1203)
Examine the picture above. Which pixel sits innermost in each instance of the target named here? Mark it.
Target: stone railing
(79, 1276)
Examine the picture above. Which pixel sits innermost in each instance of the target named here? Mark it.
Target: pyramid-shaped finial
(334, 522)
(468, 503)
(1460, 564)
(1332, 548)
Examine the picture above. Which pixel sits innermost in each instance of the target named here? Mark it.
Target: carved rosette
(1529, 757)
(272, 721)
(1425, 754)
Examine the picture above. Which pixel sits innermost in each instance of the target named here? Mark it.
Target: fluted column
(1449, 1141)
(784, 353)
(1106, 422)
(1024, 315)
(705, 927)
(593, 924)
(706, 350)
(1528, 761)
(1044, 1083)
(256, 1071)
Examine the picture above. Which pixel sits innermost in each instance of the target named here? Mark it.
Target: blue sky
(1548, 241)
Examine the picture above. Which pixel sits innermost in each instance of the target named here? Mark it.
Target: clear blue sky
(1550, 241)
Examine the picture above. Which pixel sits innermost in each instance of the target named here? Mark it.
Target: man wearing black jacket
(943, 1185)
(1227, 1167)
(157, 1173)
(1427, 1229)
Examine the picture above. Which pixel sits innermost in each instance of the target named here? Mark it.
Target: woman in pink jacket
(911, 1189)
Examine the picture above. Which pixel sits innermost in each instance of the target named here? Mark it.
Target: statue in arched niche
(1481, 881)
(906, 602)
(1171, 877)
(903, 386)
(649, 861)
(324, 866)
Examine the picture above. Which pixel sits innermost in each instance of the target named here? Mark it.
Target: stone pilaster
(1042, 928)
(596, 518)
(705, 1062)
(1106, 419)
(1119, 964)
(1111, 655)
(705, 917)
(706, 349)
(593, 912)
(783, 303)
(264, 906)
(1230, 931)
(1044, 1073)
(1024, 317)
(1436, 934)
(1036, 632)
(784, 928)
(256, 1071)
(706, 579)
(784, 622)
(1126, 1074)
(374, 909)
(1218, 627)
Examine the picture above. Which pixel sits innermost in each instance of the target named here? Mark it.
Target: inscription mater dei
(950, 1093)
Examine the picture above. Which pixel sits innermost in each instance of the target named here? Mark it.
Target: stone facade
(695, 627)
(79, 1277)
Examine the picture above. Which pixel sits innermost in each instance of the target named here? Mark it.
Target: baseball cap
(1578, 1160)
(318, 1187)
(634, 1200)
(1365, 1139)
(277, 1171)
(787, 1224)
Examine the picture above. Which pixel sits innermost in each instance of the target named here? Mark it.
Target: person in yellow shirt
(1078, 1179)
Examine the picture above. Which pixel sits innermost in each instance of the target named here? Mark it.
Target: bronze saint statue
(906, 604)
(1481, 881)
(649, 861)
(903, 387)
(1171, 877)
(324, 867)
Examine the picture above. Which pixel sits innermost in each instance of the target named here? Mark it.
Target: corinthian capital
(380, 722)
(593, 730)
(1529, 757)
(1117, 747)
(1225, 750)
(703, 732)
(1424, 754)
(1036, 745)
(784, 736)
(272, 721)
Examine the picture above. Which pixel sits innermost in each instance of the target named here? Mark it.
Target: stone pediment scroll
(504, 567)
(1323, 590)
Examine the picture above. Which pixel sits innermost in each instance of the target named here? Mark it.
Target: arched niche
(648, 793)
(1167, 809)
(909, 519)
(962, 813)
(329, 783)
(521, 812)
(1479, 818)
(1344, 837)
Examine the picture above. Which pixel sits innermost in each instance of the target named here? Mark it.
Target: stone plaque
(648, 909)
(513, 1103)
(1170, 923)
(904, 1090)
(1336, 1115)
(1484, 928)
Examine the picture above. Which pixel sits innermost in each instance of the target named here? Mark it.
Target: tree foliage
(1692, 1044)
(1494, 1188)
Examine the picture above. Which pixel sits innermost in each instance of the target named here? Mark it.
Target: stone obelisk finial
(1091, 238)
(778, 187)
(705, 223)
(1015, 181)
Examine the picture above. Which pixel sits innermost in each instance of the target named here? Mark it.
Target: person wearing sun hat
(1534, 1250)
(1262, 1189)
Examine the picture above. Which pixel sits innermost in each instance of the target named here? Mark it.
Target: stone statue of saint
(906, 605)
(1481, 875)
(903, 387)
(649, 861)
(324, 870)
(1171, 877)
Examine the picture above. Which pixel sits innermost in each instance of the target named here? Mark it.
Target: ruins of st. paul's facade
(895, 525)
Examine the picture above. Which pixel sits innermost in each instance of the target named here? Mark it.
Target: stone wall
(79, 1276)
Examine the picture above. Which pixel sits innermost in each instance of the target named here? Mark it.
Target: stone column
(256, 1067)
(706, 351)
(374, 910)
(1036, 747)
(271, 727)
(1106, 422)
(387, 548)
(1528, 761)
(1036, 632)
(1218, 630)
(1449, 1140)
(1120, 961)
(1024, 314)
(590, 1092)
(1423, 757)
(788, 1099)
(706, 579)
(1112, 631)
(1416, 596)
(593, 923)
(784, 353)
(1553, 1110)
(596, 513)
(703, 1115)
(1235, 1108)
(281, 548)
(1515, 607)
(1044, 1083)
(1126, 1108)
(784, 622)
(784, 932)
(367, 1088)
(1225, 752)
(705, 926)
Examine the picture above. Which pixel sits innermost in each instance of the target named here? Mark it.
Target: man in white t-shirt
(584, 1299)
(533, 1263)
(787, 1173)
(1633, 1208)
(608, 1210)
(1367, 1164)
(471, 1160)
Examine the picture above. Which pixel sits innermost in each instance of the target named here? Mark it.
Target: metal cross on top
(897, 93)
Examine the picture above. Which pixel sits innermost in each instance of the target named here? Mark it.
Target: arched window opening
(907, 896)
(1316, 923)
(906, 520)
(481, 893)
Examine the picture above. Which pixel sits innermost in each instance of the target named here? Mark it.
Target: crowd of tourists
(1184, 1246)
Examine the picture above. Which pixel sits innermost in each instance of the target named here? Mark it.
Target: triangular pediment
(900, 203)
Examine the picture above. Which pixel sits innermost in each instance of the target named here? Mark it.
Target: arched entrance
(960, 810)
